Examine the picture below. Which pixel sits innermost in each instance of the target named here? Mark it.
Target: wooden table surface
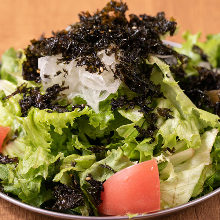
(23, 20)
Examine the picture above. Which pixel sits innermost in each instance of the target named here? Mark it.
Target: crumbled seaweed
(7, 160)
(107, 167)
(207, 79)
(130, 40)
(196, 86)
(164, 112)
(170, 150)
(30, 66)
(106, 29)
(65, 72)
(20, 89)
(143, 101)
(97, 149)
(95, 189)
(199, 98)
(198, 50)
(58, 73)
(178, 72)
(33, 97)
(73, 163)
(145, 133)
(46, 76)
(67, 197)
(151, 118)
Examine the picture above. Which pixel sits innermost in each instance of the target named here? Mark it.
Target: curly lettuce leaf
(105, 114)
(187, 176)
(114, 159)
(186, 47)
(73, 162)
(34, 146)
(211, 47)
(212, 181)
(171, 90)
(12, 65)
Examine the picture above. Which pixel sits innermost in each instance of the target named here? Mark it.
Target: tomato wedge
(3, 134)
(135, 189)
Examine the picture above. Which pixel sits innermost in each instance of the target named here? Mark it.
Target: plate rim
(70, 216)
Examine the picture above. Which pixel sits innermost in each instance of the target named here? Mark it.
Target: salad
(105, 118)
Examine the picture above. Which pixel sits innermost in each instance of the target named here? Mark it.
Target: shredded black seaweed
(143, 101)
(67, 197)
(97, 149)
(164, 112)
(32, 96)
(7, 160)
(151, 118)
(170, 150)
(198, 50)
(107, 167)
(196, 87)
(143, 133)
(130, 40)
(95, 189)
(30, 67)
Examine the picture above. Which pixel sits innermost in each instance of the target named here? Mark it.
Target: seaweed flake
(107, 167)
(97, 149)
(198, 50)
(67, 197)
(33, 97)
(131, 40)
(58, 73)
(65, 73)
(95, 189)
(196, 86)
(46, 76)
(146, 133)
(7, 160)
(164, 112)
(170, 150)
(73, 163)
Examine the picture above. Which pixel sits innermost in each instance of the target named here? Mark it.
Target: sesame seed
(88, 178)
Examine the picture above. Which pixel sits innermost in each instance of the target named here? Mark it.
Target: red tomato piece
(3, 134)
(135, 189)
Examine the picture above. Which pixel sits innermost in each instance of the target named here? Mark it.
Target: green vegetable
(66, 148)
(183, 183)
(12, 65)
